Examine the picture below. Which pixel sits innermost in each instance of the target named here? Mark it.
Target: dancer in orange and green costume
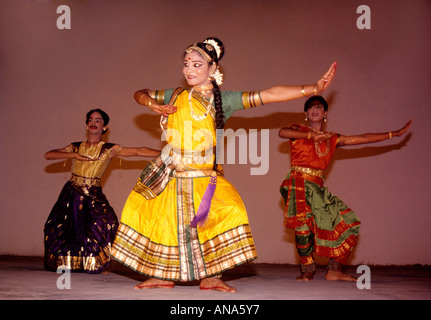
(323, 224)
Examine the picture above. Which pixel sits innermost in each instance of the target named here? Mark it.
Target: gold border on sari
(191, 260)
(79, 263)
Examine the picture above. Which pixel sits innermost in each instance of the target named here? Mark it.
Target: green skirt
(317, 214)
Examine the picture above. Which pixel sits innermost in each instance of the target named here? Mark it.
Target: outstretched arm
(65, 153)
(293, 133)
(287, 92)
(372, 137)
(279, 93)
(118, 151)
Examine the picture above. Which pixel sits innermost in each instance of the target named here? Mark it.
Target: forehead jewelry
(199, 50)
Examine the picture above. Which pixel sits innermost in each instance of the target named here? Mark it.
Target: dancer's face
(316, 112)
(95, 123)
(196, 69)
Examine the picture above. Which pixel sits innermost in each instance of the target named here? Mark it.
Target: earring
(306, 118)
(324, 119)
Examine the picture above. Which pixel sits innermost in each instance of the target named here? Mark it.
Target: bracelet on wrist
(315, 90)
(303, 91)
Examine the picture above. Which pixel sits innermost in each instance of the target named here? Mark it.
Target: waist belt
(311, 176)
(84, 181)
(310, 171)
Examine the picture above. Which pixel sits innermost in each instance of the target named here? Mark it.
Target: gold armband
(251, 99)
(158, 95)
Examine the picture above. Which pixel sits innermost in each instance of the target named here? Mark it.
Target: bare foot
(215, 284)
(305, 276)
(155, 283)
(107, 270)
(338, 275)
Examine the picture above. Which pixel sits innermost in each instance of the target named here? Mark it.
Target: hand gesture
(324, 82)
(163, 109)
(322, 136)
(403, 130)
(84, 158)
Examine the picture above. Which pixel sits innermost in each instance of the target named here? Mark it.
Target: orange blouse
(306, 153)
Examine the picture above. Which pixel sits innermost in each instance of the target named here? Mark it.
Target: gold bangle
(149, 103)
(390, 134)
(303, 91)
(315, 89)
(119, 155)
(309, 135)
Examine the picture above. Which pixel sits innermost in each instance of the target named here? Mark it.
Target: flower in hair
(215, 45)
(218, 76)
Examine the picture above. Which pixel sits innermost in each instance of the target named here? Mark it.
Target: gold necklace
(203, 89)
(319, 153)
(199, 117)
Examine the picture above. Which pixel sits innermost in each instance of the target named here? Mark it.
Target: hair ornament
(212, 43)
(218, 76)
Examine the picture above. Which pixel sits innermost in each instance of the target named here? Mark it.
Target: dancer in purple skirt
(82, 224)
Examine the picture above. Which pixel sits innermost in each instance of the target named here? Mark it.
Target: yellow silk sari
(155, 237)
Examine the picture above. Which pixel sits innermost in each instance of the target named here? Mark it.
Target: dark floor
(24, 278)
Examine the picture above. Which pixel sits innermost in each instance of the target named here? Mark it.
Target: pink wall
(50, 78)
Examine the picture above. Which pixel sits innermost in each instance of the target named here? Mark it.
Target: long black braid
(210, 52)
(219, 119)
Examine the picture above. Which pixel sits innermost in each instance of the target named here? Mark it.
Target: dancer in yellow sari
(158, 235)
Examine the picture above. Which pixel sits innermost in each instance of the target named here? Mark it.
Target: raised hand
(324, 82)
(403, 130)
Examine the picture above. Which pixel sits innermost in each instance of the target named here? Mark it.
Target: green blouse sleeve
(167, 95)
(232, 101)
